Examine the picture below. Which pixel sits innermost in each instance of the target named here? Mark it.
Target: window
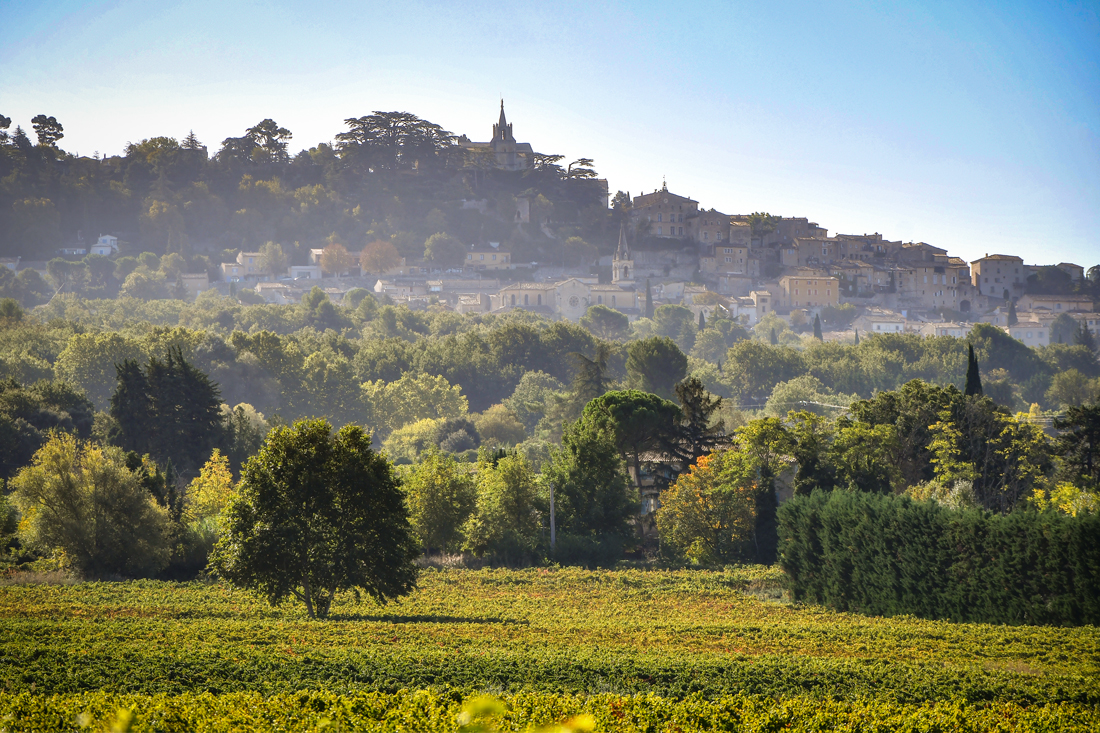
(728, 251)
(659, 232)
(660, 217)
(493, 257)
(525, 299)
(469, 257)
(481, 257)
(729, 259)
(704, 236)
(540, 300)
(513, 298)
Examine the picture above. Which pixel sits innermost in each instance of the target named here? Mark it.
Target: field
(679, 650)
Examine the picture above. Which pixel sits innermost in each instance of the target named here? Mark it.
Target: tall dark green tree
(318, 513)
(698, 432)
(1012, 319)
(1083, 337)
(132, 408)
(1079, 445)
(857, 337)
(171, 410)
(772, 339)
(817, 328)
(702, 321)
(973, 376)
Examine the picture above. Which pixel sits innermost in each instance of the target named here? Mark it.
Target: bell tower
(622, 264)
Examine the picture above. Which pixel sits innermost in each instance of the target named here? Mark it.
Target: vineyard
(675, 650)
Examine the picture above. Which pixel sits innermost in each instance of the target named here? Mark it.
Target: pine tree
(817, 328)
(772, 339)
(648, 300)
(698, 432)
(702, 321)
(857, 336)
(1012, 319)
(973, 377)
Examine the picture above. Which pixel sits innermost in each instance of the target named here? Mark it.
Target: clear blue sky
(972, 126)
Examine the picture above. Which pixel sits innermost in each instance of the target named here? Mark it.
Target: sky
(971, 126)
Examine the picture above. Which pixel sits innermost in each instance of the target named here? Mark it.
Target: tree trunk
(308, 596)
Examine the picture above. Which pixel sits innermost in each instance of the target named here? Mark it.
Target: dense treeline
(591, 410)
(888, 555)
(391, 177)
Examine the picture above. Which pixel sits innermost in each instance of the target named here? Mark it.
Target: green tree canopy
(592, 493)
(317, 513)
(81, 499)
(655, 365)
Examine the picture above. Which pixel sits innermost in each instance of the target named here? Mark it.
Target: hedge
(890, 555)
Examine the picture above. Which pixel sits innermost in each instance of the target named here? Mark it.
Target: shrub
(889, 555)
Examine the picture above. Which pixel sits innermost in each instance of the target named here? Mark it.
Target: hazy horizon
(973, 130)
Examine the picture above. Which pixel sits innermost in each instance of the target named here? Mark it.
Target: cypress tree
(702, 321)
(1083, 337)
(648, 299)
(1012, 319)
(973, 377)
(772, 339)
(132, 409)
(857, 336)
(817, 328)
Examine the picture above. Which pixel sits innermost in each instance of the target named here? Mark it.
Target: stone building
(809, 290)
(662, 214)
(995, 274)
(502, 152)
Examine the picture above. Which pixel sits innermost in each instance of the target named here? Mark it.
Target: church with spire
(502, 152)
(622, 264)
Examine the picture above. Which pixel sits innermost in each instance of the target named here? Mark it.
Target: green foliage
(887, 555)
(1078, 445)
(506, 522)
(605, 323)
(317, 513)
(440, 495)
(541, 635)
(411, 398)
(83, 503)
(753, 369)
(425, 710)
(593, 497)
(677, 323)
(529, 400)
(655, 365)
(29, 414)
(170, 409)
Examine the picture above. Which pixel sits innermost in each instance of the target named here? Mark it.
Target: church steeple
(502, 130)
(622, 264)
(622, 252)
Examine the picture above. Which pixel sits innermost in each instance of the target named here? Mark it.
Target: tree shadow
(426, 619)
